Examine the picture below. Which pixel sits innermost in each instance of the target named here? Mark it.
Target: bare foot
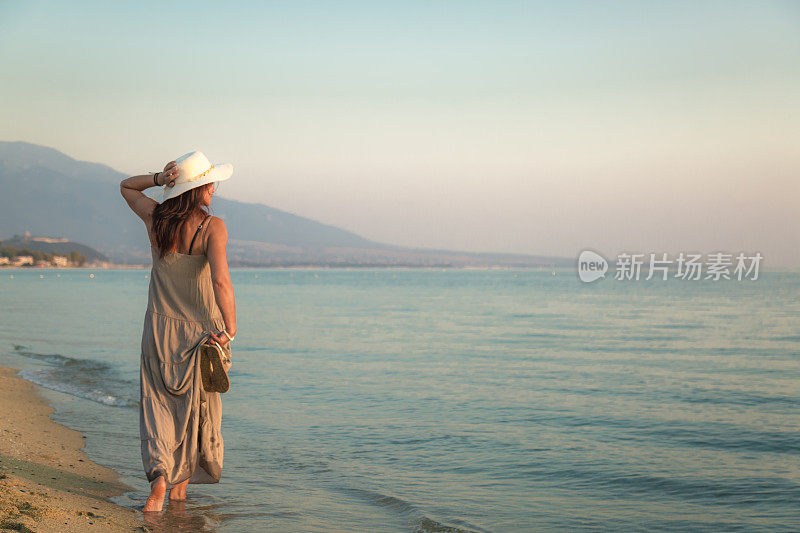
(155, 501)
(178, 492)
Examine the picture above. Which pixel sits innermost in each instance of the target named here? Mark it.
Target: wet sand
(47, 484)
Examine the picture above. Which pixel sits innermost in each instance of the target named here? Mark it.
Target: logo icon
(591, 266)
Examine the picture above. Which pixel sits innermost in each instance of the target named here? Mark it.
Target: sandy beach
(46, 481)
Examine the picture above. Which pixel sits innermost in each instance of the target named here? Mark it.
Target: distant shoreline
(298, 267)
(531, 268)
(85, 267)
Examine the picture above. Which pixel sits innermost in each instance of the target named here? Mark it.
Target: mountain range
(46, 192)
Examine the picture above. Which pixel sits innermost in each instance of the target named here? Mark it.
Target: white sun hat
(194, 170)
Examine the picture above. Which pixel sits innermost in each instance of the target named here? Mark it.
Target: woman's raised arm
(131, 189)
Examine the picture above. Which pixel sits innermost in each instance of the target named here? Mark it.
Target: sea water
(451, 400)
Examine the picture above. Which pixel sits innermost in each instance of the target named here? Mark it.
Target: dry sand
(47, 484)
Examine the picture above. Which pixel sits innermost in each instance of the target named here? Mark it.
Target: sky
(531, 127)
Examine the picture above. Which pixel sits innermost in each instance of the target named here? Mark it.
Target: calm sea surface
(438, 401)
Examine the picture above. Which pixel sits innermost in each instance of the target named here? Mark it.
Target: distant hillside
(59, 248)
(48, 193)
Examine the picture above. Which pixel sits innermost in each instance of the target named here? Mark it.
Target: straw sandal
(212, 371)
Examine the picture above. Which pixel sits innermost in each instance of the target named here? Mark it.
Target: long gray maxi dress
(179, 422)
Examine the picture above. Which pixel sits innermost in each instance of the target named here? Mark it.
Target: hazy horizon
(519, 127)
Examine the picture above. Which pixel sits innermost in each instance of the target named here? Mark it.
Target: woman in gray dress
(190, 303)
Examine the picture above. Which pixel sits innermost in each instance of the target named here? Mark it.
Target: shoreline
(47, 483)
(532, 268)
(297, 267)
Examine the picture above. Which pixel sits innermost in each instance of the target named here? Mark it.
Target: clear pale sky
(532, 127)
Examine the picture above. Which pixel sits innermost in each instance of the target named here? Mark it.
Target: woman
(190, 303)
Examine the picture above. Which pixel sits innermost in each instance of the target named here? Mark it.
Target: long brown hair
(169, 216)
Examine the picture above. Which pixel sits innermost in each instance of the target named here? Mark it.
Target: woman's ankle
(155, 500)
(158, 483)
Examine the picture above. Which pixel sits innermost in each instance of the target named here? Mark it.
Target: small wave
(417, 519)
(790, 338)
(84, 378)
(734, 438)
(58, 359)
(426, 525)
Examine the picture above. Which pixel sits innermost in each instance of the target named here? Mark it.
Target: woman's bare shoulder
(217, 228)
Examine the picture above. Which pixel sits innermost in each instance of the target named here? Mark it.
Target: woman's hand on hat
(168, 175)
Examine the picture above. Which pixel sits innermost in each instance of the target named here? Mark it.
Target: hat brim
(218, 173)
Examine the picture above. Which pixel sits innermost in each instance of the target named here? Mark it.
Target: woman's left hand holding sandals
(220, 337)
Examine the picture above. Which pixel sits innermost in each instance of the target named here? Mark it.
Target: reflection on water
(184, 517)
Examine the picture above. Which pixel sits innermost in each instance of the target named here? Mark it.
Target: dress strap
(196, 232)
(205, 230)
